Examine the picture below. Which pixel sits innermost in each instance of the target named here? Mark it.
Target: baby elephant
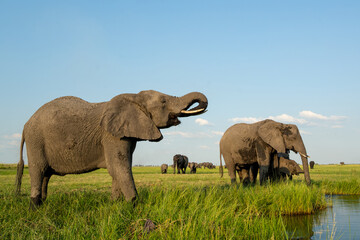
(192, 167)
(288, 167)
(164, 168)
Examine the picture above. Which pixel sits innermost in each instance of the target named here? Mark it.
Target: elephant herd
(69, 135)
(262, 147)
(181, 162)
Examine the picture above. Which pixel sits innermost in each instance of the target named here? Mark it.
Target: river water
(341, 221)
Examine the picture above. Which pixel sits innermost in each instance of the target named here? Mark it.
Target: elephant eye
(163, 101)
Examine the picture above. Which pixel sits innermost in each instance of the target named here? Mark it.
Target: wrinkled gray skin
(180, 162)
(312, 163)
(164, 168)
(288, 168)
(243, 145)
(192, 167)
(70, 136)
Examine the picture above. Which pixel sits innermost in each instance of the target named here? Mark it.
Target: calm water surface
(341, 221)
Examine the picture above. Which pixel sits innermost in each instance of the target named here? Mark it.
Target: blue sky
(291, 61)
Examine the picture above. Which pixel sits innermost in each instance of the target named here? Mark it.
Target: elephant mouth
(173, 119)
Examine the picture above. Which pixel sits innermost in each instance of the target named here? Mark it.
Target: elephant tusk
(304, 155)
(192, 111)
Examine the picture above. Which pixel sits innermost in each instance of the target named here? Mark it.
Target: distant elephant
(208, 165)
(192, 167)
(180, 162)
(164, 168)
(312, 163)
(70, 136)
(245, 144)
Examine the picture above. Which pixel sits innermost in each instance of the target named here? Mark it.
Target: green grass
(196, 206)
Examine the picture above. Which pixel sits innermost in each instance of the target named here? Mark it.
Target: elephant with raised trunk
(70, 136)
(180, 162)
(243, 145)
(164, 168)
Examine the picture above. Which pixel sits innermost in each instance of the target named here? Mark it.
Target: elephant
(208, 165)
(288, 168)
(164, 168)
(180, 162)
(312, 163)
(285, 167)
(247, 173)
(71, 136)
(192, 167)
(242, 145)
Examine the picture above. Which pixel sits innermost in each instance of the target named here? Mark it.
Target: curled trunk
(191, 98)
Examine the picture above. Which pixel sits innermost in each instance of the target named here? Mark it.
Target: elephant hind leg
(232, 174)
(38, 166)
(44, 187)
(230, 167)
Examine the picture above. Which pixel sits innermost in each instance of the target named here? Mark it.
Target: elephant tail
(221, 171)
(20, 166)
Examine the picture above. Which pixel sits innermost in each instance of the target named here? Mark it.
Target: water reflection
(338, 222)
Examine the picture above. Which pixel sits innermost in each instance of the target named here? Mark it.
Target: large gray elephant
(70, 136)
(180, 162)
(243, 145)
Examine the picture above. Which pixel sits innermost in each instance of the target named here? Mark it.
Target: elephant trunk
(306, 169)
(189, 99)
(304, 158)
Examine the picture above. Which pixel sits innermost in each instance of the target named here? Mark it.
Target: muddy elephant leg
(263, 159)
(254, 168)
(118, 157)
(245, 177)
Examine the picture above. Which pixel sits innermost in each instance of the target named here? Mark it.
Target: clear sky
(291, 61)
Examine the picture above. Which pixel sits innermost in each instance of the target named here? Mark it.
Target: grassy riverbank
(197, 206)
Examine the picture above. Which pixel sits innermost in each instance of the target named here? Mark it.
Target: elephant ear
(270, 134)
(124, 118)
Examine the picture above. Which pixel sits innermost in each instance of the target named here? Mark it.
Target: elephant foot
(246, 182)
(35, 203)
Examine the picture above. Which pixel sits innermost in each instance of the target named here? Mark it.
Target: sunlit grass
(190, 206)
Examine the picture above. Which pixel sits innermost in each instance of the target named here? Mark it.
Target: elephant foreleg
(118, 159)
(263, 159)
(254, 168)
